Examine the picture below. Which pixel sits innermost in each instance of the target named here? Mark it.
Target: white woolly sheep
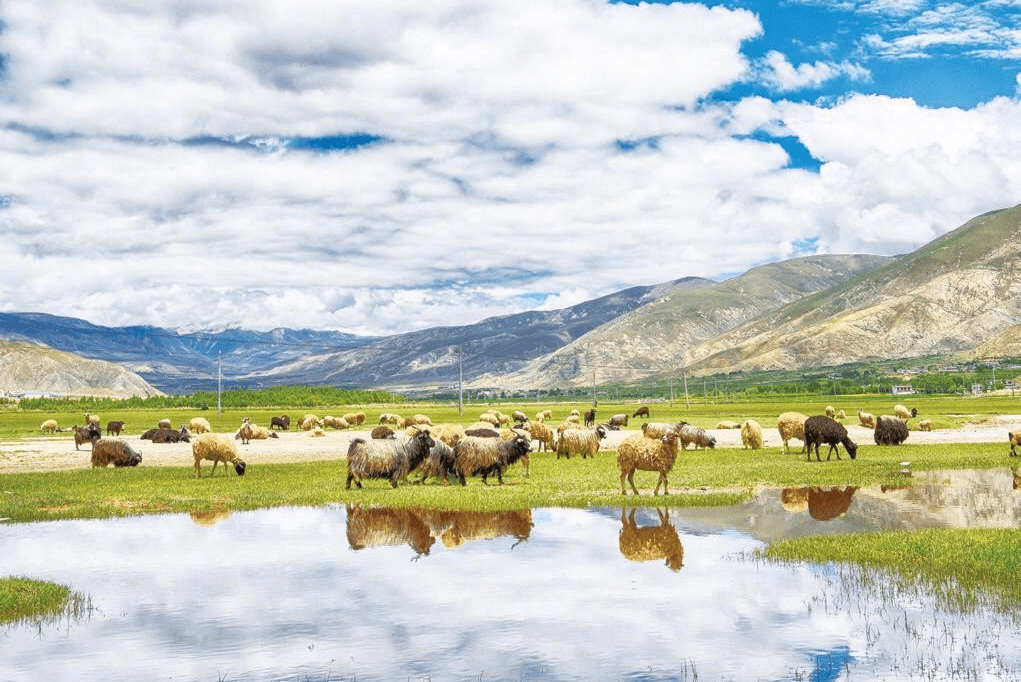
(418, 420)
(390, 418)
(335, 422)
(487, 456)
(616, 421)
(659, 429)
(647, 454)
(867, 419)
(1015, 439)
(91, 419)
(821, 430)
(890, 430)
(519, 416)
(389, 459)
(164, 424)
(543, 434)
(216, 448)
(584, 442)
(309, 422)
(751, 434)
(543, 415)
(254, 432)
(925, 425)
(727, 424)
(830, 411)
(199, 425)
(489, 418)
(107, 451)
(48, 426)
(697, 436)
(904, 413)
(317, 432)
(791, 425)
(448, 433)
(841, 415)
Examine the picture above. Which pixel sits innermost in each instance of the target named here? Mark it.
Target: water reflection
(823, 504)
(419, 528)
(651, 543)
(209, 518)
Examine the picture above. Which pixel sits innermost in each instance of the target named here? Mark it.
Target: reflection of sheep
(751, 434)
(48, 426)
(1015, 439)
(823, 430)
(86, 434)
(925, 425)
(697, 436)
(584, 442)
(455, 528)
(904, 413)
(487, 456)
(647, 454)
(823, 504)
(791, 425)
(866, 419)
(199, 425)
(215, 448)
(890, 430)
(210, 517)
(387, 527)
(389, 459)
(107, 451)
(651, 543)
(114, 428)
(642, 411)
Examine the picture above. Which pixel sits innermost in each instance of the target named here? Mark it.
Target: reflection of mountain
(651, 543)
(419, 528)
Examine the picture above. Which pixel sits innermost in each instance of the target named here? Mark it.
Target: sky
(385, 167)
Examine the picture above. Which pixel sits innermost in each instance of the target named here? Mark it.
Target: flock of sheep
(401, 446)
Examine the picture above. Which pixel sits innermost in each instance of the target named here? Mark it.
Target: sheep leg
(662, 479)
(351, 477)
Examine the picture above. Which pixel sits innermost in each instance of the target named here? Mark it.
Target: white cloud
(776, 71)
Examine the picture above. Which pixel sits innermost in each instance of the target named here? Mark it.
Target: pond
(350, 593)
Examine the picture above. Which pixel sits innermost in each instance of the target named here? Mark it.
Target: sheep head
(239, 467)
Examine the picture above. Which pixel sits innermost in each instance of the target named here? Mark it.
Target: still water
(348, 593)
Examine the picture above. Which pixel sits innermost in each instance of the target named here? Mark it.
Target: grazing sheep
(543, 415)
(309, 422)
(283, 423)
(830, 411)
(617, 421)
(727, 424)
(487, 456)
(821, 429)
(107, 451)
(659, 429)
(418, 420)
(390, 459)
(543, 434)
(91, 419)
(925, 425)
(352, 418)
(867, 419)
(489, 418)
(1015, 439)
(86, 434)
(167, 435)
(642, 411)
(164, 424)
(751, 434)
(48, 426)
(335, 422)
(890, 430)
(199, 425)
(440, 462)
(904, 413)
(391, 418)
(519, 416)
(114, 428)
(791, 425)
(584, 442)
(590, 417)
(841, 415)
(651, 543)
(382, 432)
(697, 436)
(647, 454)
(216, 449)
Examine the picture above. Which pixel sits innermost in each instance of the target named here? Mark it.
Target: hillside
(29, 368)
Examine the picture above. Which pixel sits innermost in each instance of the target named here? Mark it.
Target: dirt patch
(57, 453)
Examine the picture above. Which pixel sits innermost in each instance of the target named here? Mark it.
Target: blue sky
(385, 167)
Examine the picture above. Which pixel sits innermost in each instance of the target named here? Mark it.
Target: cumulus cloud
(401, 165)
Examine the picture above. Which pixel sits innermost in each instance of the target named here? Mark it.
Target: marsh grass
(36, 602)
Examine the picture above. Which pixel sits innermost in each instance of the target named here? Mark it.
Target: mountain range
(959, 294)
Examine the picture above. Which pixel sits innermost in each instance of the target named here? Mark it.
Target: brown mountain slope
(27, 368)
(953, 295)
(655, 337)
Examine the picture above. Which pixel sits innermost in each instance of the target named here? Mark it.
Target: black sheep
(890, 430)
(821, 429)
(167, 435)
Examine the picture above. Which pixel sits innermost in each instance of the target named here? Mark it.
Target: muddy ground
(57, 452)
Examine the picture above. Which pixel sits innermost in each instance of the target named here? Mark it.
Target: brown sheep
(215, 448)
(647, 454)
(651, 543)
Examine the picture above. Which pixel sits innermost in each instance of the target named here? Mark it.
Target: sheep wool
(647, 454)
(697, 436)
(216, 449)
(389, 459)
(791, 425)
(199, 425)
(866, 419)
(751, 434)
(48, 426)
(487, 456)
(890, 430)
(107, 451)
(1015, 439)
(821, 430)
(584, 442)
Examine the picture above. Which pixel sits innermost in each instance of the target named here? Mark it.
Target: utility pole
(687, 405)
(460, 384)
(219, 385)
